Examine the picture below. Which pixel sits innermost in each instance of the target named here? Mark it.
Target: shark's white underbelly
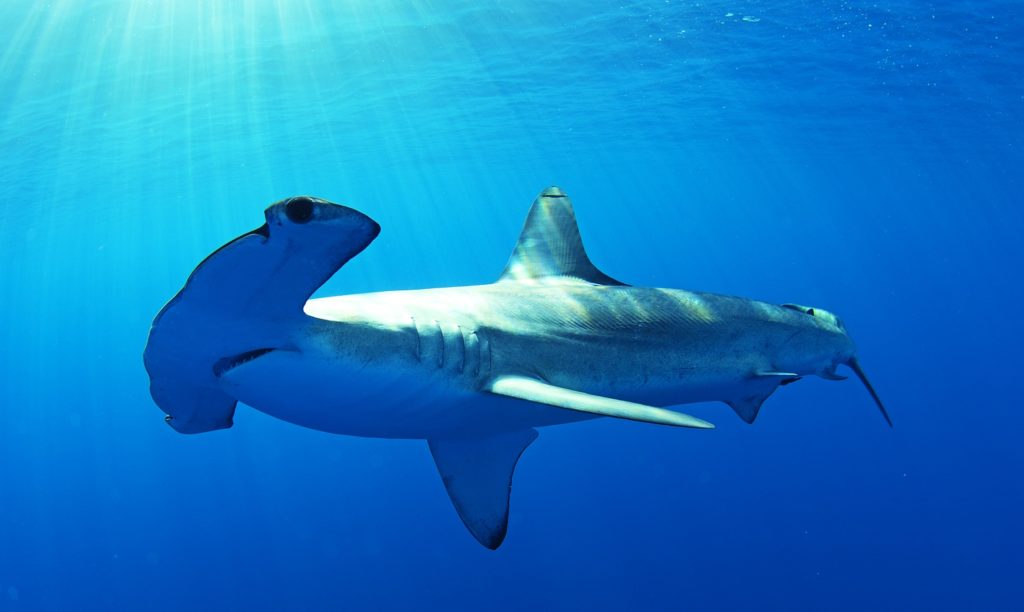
(393, 402)
(416, 403)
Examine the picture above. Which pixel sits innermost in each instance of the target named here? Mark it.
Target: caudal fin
(855, 366)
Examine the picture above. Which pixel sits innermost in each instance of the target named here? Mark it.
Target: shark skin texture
(472, 370)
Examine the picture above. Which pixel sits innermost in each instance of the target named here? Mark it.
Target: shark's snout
(206, 332)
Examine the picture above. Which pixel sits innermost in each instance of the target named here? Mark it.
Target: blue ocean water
(862, 157)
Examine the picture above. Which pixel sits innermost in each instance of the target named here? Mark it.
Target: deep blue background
(837, 154)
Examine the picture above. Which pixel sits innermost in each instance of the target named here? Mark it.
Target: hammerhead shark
(472, 370)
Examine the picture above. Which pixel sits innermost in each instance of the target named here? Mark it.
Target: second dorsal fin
(550, 244)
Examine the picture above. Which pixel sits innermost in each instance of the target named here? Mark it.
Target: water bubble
(751, 19)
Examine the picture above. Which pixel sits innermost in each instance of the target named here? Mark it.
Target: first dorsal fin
(550, 244)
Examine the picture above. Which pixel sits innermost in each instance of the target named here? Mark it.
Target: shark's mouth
(227, 364)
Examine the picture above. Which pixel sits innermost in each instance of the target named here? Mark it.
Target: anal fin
(533, 390)
(477, 473)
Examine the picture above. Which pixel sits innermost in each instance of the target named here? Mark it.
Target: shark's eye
(299, 210)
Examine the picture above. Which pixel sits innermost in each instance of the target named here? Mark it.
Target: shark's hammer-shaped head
(834, 348)
(242, 302)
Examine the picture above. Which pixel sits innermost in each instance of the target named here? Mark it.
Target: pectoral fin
(533, 390)
(477, 473)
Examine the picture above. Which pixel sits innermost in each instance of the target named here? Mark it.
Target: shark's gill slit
(419, 341)
(227, 363)
(440, 345)
(472, 353)
(485, 349)
(461, 343)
